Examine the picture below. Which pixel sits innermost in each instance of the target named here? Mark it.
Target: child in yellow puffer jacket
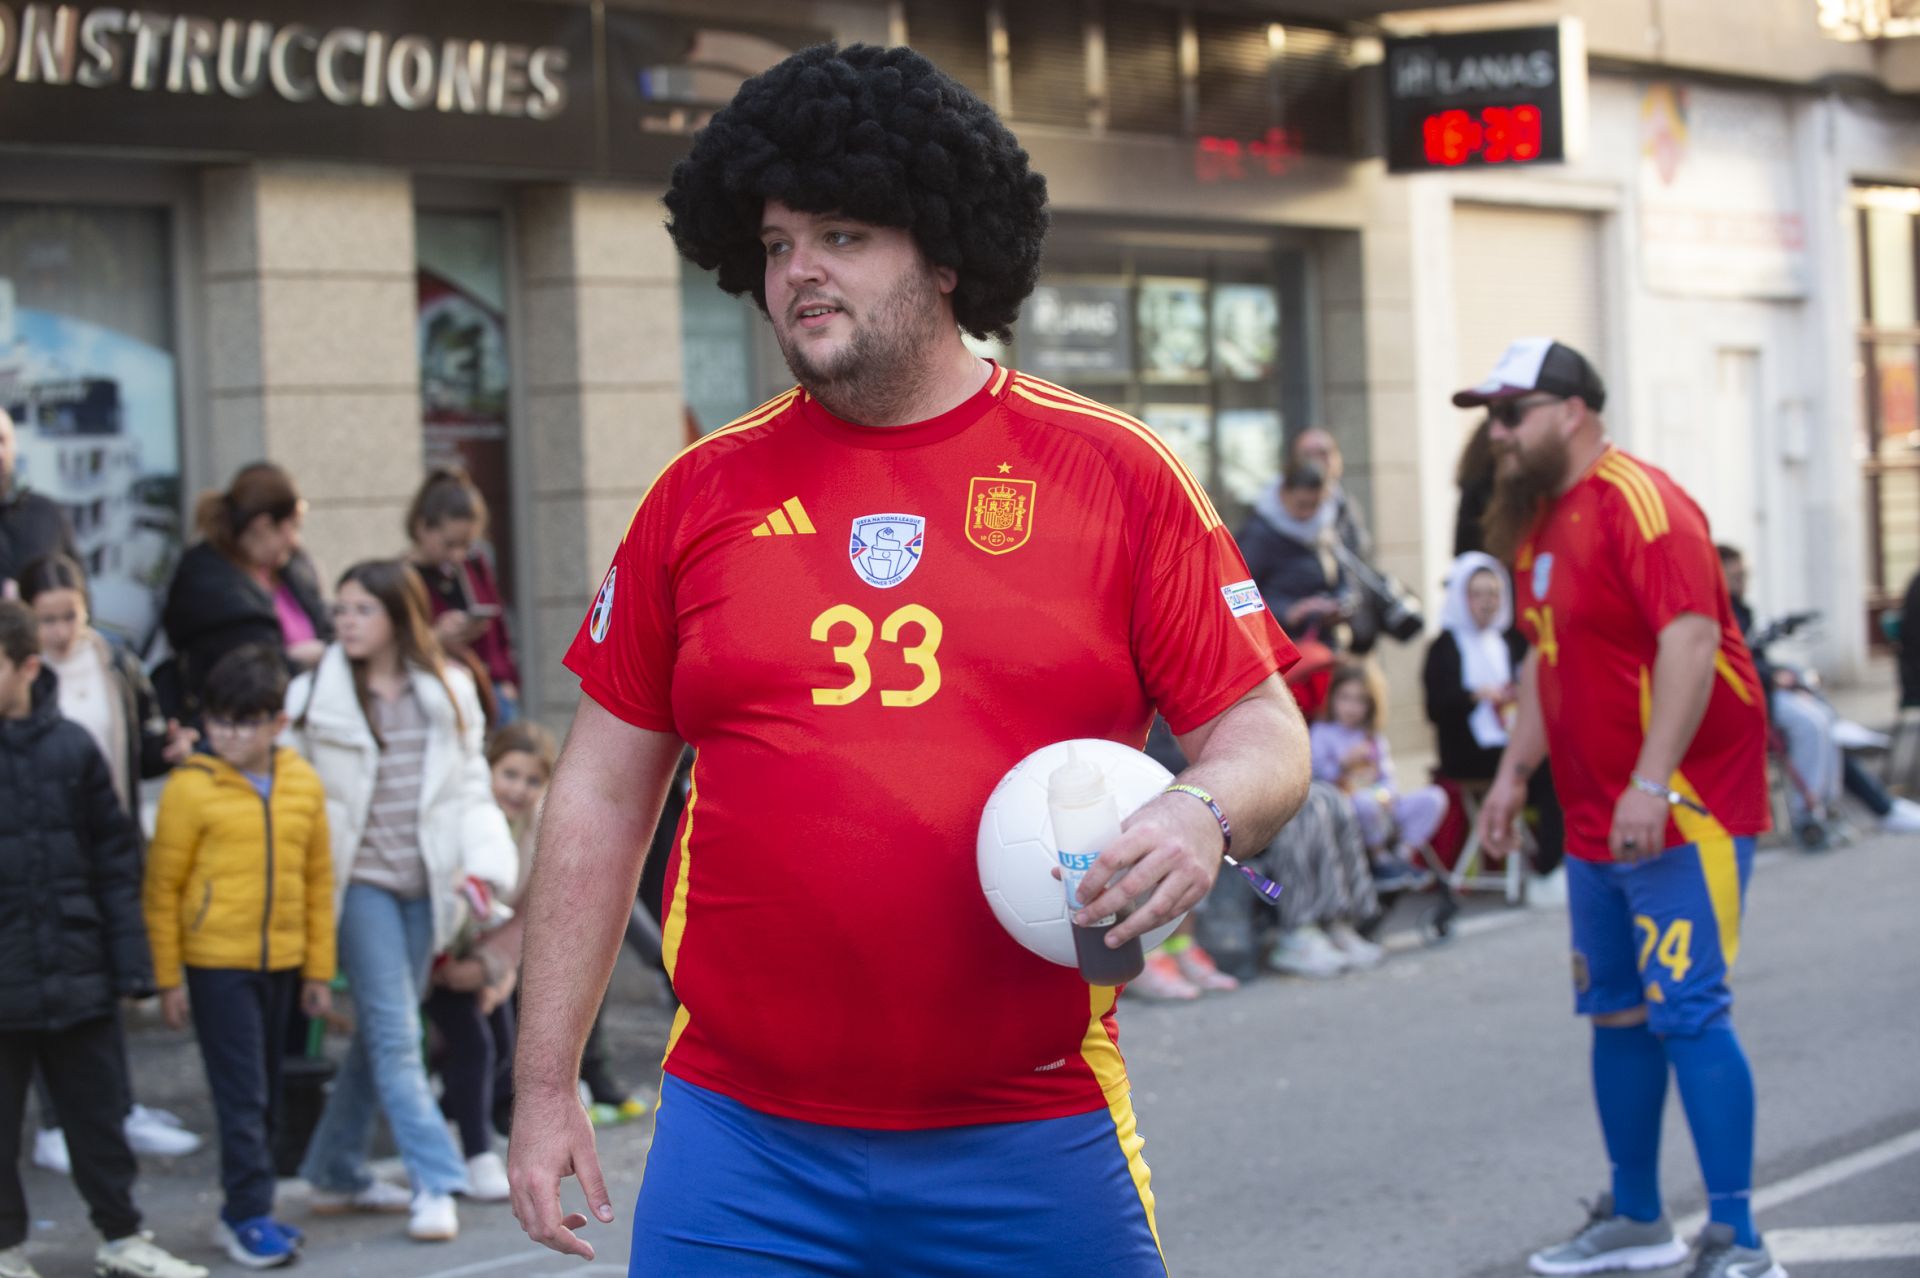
(239, 907)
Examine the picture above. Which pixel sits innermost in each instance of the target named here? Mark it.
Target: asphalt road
(1430, 1118)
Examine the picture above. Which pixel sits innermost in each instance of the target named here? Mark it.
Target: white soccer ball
(1016, 851)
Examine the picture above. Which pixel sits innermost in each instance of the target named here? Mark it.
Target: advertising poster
(87, 372)
(1249, 451)
(1246, 331)
(1188, 430)
(1173, 330)
(1077, 333)
(464, 380)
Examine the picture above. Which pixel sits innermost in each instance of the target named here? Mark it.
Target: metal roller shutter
(1524, 272)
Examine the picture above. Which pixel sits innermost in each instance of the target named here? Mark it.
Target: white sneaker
(136, 1256)
(1306, 951)
(1904, 819)
(1548, 890)
(487, 1179)
(149, 1133)
(377, 1197)
(14, 1263)
(434, 1218)
(155, 1114)
(1361, 954)
(50, 1151)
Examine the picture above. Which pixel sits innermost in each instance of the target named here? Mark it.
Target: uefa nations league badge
(886, 548)
(1542, 575)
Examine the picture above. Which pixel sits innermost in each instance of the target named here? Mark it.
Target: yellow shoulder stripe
(1649, 510)
(1047, 395)
(759, 416)
(999, 380)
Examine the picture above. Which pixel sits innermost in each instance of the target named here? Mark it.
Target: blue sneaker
(292, 1233)
(257, 1243)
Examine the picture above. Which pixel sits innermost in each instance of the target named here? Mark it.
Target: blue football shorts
(1664, 932)
(729, 1190)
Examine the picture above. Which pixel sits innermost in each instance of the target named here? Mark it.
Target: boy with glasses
(239, 903)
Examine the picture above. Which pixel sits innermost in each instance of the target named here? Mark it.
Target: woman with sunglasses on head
(396, 733)
(246, 581)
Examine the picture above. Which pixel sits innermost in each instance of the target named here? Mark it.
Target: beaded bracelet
(1226, 828)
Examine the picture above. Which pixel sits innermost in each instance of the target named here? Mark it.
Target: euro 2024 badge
(886, 548)
(1000, 513)
(603, 608)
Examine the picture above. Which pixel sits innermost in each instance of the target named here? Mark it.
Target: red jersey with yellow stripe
(860, 630)
(1618, 556)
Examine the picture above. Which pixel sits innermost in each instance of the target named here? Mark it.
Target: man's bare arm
(600, 812)
(1252, 757)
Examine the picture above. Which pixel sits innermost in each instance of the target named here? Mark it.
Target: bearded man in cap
(1641, 690)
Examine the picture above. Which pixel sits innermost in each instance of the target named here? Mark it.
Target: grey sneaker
(1608, 1242)
(1720, 1257)
(138, 1256)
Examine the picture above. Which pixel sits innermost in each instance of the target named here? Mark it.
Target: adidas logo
(788, 521)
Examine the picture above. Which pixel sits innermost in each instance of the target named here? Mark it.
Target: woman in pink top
(246, 581)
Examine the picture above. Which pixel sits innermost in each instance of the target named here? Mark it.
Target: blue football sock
(1716, 1089)
(1630, 1091)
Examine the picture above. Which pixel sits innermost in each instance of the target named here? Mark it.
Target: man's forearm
(1254, 762)
(592, 846)
(1682, 687)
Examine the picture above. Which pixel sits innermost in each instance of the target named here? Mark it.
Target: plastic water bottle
(1085, 821)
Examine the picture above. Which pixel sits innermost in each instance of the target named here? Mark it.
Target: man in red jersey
(861, 604)
(1641, 691)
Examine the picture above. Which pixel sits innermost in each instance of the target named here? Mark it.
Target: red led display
(1492, 135)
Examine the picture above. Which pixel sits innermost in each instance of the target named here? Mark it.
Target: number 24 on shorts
(1673, 949)
(853, 655)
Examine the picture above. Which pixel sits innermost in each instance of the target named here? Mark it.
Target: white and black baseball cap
(1537, 364)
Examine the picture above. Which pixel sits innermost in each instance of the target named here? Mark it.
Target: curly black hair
(880, 135)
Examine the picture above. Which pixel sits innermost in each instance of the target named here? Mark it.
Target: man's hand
(1170, 848)
(1499, 812)
(499, 992)
(552, 1140)
(1639, 825)
(316, 998)
(465, 975)
(173, 1007)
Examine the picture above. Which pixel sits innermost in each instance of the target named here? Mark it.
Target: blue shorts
(729, 1190)
(1663, 932)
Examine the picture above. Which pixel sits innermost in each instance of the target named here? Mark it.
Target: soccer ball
(1016, 851)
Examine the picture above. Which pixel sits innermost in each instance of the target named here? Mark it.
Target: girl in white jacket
(396, 734)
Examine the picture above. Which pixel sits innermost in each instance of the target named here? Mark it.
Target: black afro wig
(880, 135)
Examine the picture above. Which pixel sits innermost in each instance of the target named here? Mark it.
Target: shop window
(89, 376)
(952, 34)
(1143, 70)
(1201, 344)
(1889, 366)
(717, 346)
(465, 371)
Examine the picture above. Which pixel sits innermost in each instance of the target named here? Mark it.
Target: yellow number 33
(853, 654)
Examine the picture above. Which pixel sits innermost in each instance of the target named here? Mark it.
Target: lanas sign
(1512, 97)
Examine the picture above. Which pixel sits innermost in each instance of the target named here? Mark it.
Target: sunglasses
(1510, 412)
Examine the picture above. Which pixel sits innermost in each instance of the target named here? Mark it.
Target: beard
(1524, 485)
(879, 369)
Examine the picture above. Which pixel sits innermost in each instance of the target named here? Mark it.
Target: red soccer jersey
(859, 631)
(1620, 554)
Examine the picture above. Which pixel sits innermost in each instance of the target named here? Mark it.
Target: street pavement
(1429, 1118)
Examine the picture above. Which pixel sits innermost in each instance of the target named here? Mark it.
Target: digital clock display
(1491, 135)
(1473, 99)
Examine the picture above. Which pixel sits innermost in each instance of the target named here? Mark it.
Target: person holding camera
(1289, 541)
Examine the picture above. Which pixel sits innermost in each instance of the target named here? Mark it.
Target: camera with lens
(1381, 599)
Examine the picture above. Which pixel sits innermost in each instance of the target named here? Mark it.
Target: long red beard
(1521, 495)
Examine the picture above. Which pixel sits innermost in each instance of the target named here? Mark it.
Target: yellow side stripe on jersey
(1649, 511)
(1725, 669)
(759, 416)
(1719, 864)
(1103, 1058)
(675, 930)
(1197, 496)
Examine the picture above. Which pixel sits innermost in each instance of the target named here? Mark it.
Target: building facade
(357, 238)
